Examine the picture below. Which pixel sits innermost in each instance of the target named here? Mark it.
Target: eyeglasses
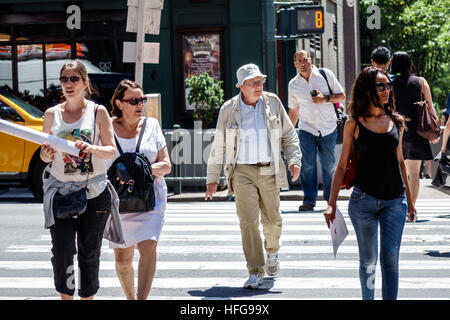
(380, 86)
(256, 83)
(73, 79)
(135, 101)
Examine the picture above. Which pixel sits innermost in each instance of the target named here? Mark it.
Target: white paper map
(338, 230)
(39, 137)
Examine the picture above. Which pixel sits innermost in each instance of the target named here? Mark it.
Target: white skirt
(138, 227)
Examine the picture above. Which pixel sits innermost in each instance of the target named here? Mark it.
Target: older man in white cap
(252, 129)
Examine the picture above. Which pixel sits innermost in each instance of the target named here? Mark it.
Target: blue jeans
(366, 212)
(310, 146)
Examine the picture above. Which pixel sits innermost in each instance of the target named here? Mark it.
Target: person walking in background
(446, 112)
(311, 104)
(252, 129)
(381, 196)
(445, 139)
(444, 118)
(78, 119)
(381, 58)
(407, 90)
(142, 229)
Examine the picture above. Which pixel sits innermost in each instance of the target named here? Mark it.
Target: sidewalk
(427, 191)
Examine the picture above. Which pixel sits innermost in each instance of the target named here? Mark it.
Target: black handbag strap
(141, 134)
(138, 144)
(322, 72)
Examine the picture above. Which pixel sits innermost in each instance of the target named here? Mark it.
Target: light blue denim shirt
(254, 143)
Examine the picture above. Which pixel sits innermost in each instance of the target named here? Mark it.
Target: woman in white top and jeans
(141, 230)
(78, 119)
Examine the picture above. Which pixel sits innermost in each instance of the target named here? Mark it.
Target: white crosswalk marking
(200, 257)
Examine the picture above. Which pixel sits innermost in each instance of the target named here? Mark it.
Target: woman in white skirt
(141, 230)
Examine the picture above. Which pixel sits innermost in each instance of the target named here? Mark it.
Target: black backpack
(137, 193)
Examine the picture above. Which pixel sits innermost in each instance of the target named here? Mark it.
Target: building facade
(216, 36)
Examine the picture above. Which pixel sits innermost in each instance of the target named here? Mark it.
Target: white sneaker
(272, 264)
(253, 282)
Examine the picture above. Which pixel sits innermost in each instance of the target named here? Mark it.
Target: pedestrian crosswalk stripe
(200, 238)
(235, 265)
(302, 283)
(235, 236)
(237, 249)
(319, 219)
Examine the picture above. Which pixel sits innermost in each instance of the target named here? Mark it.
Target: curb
(231, 198)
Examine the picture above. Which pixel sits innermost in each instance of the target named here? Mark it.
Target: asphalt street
(200, 255)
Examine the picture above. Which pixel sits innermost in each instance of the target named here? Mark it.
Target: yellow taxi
(20, 164)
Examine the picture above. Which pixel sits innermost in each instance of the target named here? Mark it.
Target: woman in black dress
(407, 90)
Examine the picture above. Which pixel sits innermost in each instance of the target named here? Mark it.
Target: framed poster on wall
(201, 51)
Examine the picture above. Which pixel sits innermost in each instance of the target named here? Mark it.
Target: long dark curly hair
(364, 94)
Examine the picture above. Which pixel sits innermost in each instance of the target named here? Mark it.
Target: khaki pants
(255, 191)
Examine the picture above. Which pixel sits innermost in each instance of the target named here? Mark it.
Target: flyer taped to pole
(39, 137)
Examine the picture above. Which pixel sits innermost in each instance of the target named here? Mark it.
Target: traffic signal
(296, 22)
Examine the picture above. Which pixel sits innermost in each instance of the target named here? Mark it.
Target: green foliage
(206, 95)
(419, 27)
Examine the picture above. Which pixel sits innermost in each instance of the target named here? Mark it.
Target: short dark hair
(381, 55)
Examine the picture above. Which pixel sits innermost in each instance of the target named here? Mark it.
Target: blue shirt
(254, 143)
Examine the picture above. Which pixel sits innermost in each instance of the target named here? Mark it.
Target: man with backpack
(312, 93)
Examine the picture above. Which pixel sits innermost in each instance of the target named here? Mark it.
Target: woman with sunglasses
(407, 90)
(381, 195)
(141, 230)
(81, 120)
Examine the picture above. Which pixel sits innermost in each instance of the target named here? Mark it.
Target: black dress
(406, 93)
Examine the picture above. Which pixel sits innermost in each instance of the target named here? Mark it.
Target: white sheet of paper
(338, 230)
(39, 137)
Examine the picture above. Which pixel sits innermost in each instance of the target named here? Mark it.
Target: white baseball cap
(248, 71)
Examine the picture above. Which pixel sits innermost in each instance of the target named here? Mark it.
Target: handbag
(70, 205)
(428, 125)
(352, 165)
(74, 203)
(340, 116)
(136, 194)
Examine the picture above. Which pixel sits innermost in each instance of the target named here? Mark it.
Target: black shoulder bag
(133, 169)
(340, 116)
(74, 203)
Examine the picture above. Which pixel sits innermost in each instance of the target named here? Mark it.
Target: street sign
(150, 54)
(152, 16)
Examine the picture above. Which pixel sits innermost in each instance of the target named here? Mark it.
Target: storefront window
(5, 66)
(42, 49)
(30, 69)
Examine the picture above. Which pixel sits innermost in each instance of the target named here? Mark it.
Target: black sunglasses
(135, 101)
(73, 79)
(380, 86)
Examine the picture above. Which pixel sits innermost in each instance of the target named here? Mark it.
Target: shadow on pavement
(300, 212)
(233, 292)
(437, 254)
(443, 189)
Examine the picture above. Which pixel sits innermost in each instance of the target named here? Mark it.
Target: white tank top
(66, 167)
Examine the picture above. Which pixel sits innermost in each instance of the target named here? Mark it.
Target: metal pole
(357, 43)
(140, 40)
